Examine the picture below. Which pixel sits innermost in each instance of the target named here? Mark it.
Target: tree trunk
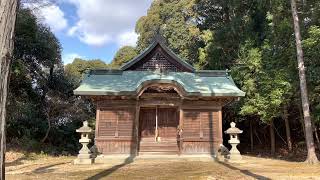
(255, 132)
(317, 137)
(45, 101)
(287, 124)
(302, 121)
(48, 130)
(312, 157)
(251, 136)
(8, 11)
(272, 139)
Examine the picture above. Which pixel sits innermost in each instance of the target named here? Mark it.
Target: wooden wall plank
(201, 126)
(115, 146)
(201, 130)
(115, 122)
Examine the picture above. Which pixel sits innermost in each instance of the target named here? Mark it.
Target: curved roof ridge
(215, 73)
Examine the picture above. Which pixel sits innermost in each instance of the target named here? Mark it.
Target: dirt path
(251, 168)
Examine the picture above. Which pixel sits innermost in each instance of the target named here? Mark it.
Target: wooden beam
(116, 103)
(157, 83)
(217, 103)
(159, 95)
(201, 107)
(97, 98)
(108, 138)
(160, 102)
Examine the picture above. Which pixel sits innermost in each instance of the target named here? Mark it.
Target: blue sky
(92, 29)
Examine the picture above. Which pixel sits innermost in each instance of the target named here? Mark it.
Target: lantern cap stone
(85, 128)
(233, 129)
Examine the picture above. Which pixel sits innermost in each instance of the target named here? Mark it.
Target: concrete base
(234, 158)
(102, 159)
(84, 156)
(199, 157)
(83, 161)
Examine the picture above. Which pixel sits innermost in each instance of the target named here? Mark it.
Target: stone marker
(84, 156)
(234, 141)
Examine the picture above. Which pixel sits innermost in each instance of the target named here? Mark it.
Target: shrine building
(157, 103)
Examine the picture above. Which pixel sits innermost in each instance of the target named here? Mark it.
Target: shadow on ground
(109, 171)
(245, 172)
(19, 161)
(16, 162)
(46, 169)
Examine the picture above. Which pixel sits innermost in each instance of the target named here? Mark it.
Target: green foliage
(41, 92)
(78, 67)
(253, 38)
(123, 55)
(312, 56)
(175, 21)
(231, 24)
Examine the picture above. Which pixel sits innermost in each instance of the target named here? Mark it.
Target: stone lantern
(84, 156)
(234, 141)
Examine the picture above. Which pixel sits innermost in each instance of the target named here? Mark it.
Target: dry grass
(45, 167)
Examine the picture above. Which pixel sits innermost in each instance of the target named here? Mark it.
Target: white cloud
(54, 17)
(49, 14)
(128, 38)
(68, 58)
(89, 38)
(107, 21)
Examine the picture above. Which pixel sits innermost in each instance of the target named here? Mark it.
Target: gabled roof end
(157, 40)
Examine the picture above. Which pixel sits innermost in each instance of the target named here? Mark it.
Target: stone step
(159, 144)
(157, 149)
(161, 140)
(157, 153)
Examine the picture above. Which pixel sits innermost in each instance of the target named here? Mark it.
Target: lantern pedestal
(84, 156)
(83, 161)
(234, 152)
(234, 155)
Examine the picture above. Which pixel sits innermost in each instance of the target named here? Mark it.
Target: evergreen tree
(123, 55)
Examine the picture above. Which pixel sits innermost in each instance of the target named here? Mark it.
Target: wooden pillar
(97, 120)
(156, 133)
(219, 130)
(136, 122)
(181, 129)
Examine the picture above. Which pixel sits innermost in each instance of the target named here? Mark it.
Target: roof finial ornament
(227, 72)
(158, 36)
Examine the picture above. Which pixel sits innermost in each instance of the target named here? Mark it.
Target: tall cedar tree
(312, 157)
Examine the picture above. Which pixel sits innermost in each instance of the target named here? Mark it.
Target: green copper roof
(117, 82)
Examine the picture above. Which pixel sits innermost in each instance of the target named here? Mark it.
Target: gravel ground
(46, 167)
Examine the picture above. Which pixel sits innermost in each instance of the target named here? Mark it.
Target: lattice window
(158, 61)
